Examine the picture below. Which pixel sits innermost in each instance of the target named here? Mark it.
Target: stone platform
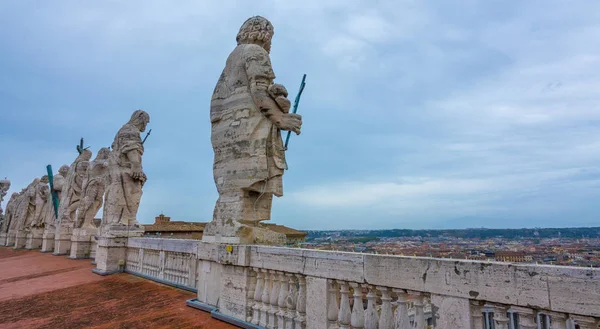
(41, 291)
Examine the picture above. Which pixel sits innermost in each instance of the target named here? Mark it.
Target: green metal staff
(296, 101)
(80, 147)
(55, 201)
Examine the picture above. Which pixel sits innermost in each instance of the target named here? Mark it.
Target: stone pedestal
(93, 247)
(242, 234)
(34, 239)
(3, 239)
(62, 241)
(10, 239)
(112, 247)
(20, 239)
(81, 242)
(48, 240)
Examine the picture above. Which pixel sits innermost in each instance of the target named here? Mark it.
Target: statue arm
(135, 158)
(260, 76)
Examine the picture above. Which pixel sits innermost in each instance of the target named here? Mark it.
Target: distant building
(512, 257)
(164, 227)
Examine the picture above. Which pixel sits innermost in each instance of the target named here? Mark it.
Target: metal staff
(80, 146)
(147, 134)
(55, 201)
(296, 101)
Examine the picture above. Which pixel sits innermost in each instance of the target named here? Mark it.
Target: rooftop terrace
(38, 290)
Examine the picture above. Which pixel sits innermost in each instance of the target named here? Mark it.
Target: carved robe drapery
(248, 148)
(123, 194)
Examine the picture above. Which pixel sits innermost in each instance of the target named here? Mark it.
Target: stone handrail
(262, 285)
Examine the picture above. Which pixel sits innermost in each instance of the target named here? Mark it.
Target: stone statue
(26, 211)
(59, 184)
(42, 201)
(69, 200)
(125, 174)
(10, 210)
(25, 214)
(50, 219)
(93, 188)
(4, 187)
(247, 113)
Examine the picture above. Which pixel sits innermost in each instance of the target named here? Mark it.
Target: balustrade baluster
(419, 312)
(476, 315)
(273, 300)
(401, 318)
(357, 318)
(257, 297)
(585, 322)
(300, 320)
(290, 302)
(558, 320)
(140, 260)
(371, 316)
(500, 318)
(332, 304)
(250, 294)
(264, 320)
(386, 317)
(345, 313)
(526, 317)
(283, 292)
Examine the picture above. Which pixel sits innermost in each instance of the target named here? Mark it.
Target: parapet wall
(457, 292)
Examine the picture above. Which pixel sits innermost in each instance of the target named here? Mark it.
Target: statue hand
(139, 175)
(291, 122)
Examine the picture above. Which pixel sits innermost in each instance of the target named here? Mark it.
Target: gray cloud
(416, 115)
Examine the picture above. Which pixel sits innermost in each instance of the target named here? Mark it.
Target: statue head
(4, 184)
(31, 188)
(45, 189)
(63, 170)
(44, 179)
(257, 30)
(103, 154)
(140, 119)
(82, 168)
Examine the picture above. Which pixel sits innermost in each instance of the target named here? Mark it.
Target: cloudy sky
(416, 114)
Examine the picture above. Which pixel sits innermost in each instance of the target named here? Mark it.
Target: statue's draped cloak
(248, 149)
(123, 193)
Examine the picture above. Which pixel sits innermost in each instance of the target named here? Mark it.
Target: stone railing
(274, 287)
(168, 261)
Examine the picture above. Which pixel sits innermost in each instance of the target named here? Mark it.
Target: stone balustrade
(274, 287)
(172, 262)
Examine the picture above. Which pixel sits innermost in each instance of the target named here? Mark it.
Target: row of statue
(248, 111)
(113, 179)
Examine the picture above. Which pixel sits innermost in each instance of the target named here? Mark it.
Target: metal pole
(295, 109)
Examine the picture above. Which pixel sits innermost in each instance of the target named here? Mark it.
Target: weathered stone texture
(247, 114)
(125, 173)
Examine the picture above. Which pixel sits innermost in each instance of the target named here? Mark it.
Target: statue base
(20, 240)
(48, 241)
(112, 247)
(10, 239)
(3, 239)
(81, 242)
(62, 239)
(238, 233)
(93, 247)
(34, 239)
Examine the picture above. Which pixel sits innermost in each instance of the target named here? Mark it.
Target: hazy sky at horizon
(416, 114)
